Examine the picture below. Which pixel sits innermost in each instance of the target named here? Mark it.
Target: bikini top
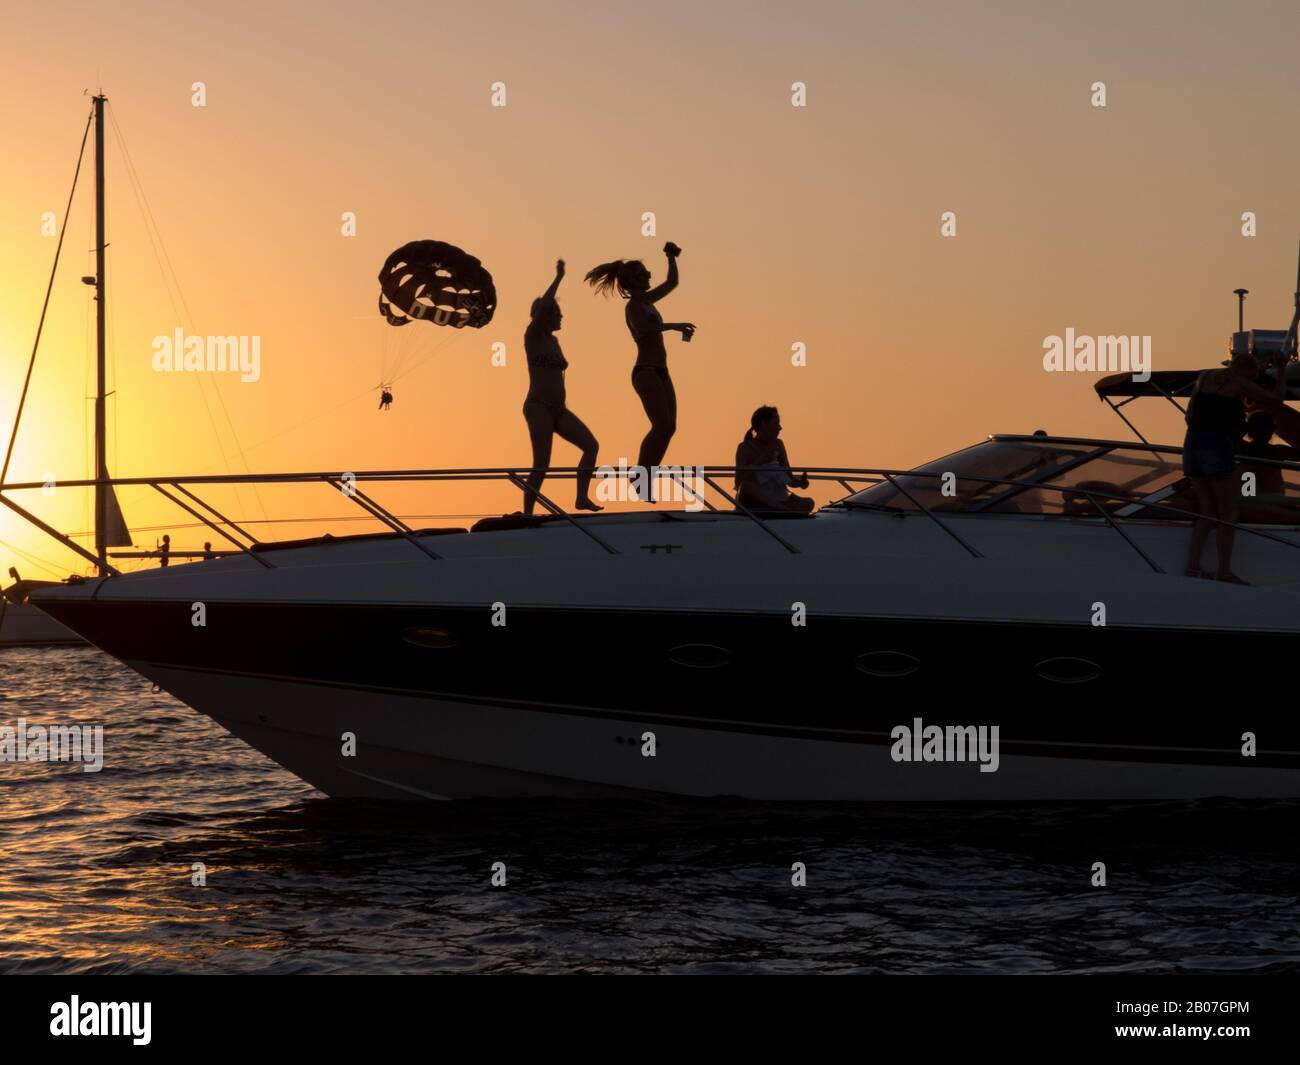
(644, 320)
(543, 349)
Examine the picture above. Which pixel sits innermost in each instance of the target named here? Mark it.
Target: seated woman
(767, 488)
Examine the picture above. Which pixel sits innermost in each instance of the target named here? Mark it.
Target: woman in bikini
(544, 408)
(631, 280)
(767, 488)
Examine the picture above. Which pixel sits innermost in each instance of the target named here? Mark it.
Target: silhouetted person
(165, 550)
(1216, 417)
(207, 549)
(18, 591)
(650, 379)
(1258, 444)
(544, 408)
(385, 399)
(768, 488)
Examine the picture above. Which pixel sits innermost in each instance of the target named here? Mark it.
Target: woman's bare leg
(1202, 526)
(571, 428)
(659, 401)
(541, 428)
(1226, 496)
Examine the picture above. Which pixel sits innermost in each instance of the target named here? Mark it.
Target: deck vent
(1068, 670)
(700, 656)
(887, 663)
(427, 636)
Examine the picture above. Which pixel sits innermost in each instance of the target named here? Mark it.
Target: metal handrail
(842, 476)
(932, 516)
(569, 472)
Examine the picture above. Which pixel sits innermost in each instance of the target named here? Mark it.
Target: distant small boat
(25, 625)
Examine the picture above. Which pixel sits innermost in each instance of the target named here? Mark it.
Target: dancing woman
(544, 407)
(650, 378)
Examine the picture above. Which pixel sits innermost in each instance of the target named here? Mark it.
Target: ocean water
(95, 871)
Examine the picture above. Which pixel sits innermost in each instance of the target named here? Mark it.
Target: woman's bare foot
(586, 504)
(1193, 571)
(1232, 578)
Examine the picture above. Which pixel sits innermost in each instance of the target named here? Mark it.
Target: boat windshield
(996, 460)
(1079, 480)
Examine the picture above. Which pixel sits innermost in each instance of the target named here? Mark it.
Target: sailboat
(21, 622)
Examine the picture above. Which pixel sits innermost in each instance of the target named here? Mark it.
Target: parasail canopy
(437, 282)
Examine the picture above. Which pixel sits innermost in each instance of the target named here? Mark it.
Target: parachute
(437, 282)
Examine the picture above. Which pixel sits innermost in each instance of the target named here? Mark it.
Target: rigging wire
(395, 355)
(427, 357)
(63, 229)
(142, 201)
(35, 560)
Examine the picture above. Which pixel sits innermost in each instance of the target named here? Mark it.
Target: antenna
(1289, 345)
(1241, 294)
(1297, 281)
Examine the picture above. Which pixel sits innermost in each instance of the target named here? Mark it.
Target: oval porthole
(887, 663)
(1068, 670)
(700, 656)
(427, 636)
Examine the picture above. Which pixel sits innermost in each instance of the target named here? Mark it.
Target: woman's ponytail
(605, 277)
(617, 276)
(758, 418)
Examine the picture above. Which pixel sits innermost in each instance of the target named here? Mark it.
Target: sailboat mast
(101, 312)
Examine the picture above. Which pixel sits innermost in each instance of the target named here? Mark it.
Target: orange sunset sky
(818, 225)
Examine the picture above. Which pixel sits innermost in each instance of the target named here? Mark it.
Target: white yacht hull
(405, 653)
(408, 747)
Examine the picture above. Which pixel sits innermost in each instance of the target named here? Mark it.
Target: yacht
(1026, 595)
(732, 653)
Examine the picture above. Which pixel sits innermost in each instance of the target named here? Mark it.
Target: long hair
(613, 276)
(758, 418)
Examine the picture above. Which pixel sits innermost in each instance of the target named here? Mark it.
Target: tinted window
(997, 460)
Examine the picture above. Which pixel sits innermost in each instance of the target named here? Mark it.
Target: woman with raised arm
(544, 408)
(631, 280)
(1216, 418)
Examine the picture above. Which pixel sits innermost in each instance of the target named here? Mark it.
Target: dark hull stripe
(1027, 748)
(1070, 692)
